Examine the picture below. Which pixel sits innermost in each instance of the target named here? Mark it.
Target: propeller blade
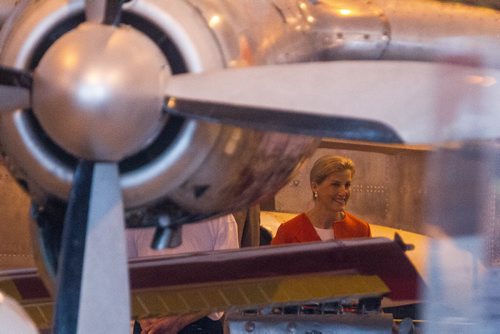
(92, 282)
(387, 100)
(282, 120)
(103, 11)
(15, 89)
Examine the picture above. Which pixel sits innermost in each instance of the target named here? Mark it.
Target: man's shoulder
(221, 220)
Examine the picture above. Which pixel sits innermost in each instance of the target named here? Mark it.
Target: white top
(209, 235)
(325, 233)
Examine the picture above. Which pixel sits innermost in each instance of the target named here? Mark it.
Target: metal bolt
(249, 326)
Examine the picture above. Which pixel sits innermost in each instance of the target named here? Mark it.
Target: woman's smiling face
(334, 191)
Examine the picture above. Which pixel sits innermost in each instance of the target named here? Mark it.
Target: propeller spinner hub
(98, 91)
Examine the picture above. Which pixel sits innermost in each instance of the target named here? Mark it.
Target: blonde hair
(328, 164)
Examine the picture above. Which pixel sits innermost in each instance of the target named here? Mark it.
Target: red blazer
(300, 229)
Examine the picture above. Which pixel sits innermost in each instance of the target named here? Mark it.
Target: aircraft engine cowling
(190, 168)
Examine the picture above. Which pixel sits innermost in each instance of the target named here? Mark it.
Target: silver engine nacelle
(194, 167)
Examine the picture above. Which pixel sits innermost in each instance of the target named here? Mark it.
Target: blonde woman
(330, 179)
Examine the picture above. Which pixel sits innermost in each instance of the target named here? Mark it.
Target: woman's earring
(315, 195)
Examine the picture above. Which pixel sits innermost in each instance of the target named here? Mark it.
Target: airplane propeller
(93, 221)
(266, 98)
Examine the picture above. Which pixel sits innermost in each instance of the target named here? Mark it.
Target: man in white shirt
(215, 234)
